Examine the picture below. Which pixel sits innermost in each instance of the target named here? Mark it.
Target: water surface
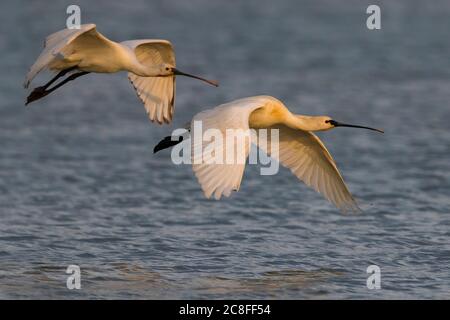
(79, 183)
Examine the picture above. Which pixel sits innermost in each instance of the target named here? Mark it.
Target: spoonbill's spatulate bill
(150, 65)
(299, 149)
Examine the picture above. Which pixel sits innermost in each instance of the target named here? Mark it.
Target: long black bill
(167, 142)
(179, 73)
(338, 124)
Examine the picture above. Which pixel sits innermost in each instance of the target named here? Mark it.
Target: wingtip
(350, 209)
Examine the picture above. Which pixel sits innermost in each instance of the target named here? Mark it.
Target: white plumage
(156, 93)
(150, 64)
(299, 148)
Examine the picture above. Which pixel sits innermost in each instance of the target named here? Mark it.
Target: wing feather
(156, 93)
(222, 178)
(61, 44)
(309, 160)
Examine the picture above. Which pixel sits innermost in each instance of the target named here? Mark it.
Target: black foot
(167, 142)
(37, 94)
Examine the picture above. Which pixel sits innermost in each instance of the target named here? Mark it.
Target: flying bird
(150, 64)
(299, 149)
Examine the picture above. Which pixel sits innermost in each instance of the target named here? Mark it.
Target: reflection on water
(101, 281)
(269, 283)
(135, 281)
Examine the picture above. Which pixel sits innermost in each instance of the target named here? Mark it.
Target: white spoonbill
(299, 149)
(150, 65)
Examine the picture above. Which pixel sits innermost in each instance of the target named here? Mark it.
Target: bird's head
(166, 69)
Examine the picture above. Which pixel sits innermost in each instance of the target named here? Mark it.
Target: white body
(146, 61)
(299, 149)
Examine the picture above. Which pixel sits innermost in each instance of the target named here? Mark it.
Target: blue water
(79, 183)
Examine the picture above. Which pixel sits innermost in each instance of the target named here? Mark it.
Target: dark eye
(327, 121)
(167, 68)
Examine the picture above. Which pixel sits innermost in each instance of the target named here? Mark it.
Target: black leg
(59, 75)
(69, 78)
(167, 142)
(41, 92)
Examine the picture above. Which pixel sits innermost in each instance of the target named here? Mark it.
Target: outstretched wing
(60, 45)
(222, 177)
(157, 93)
(309, 160)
